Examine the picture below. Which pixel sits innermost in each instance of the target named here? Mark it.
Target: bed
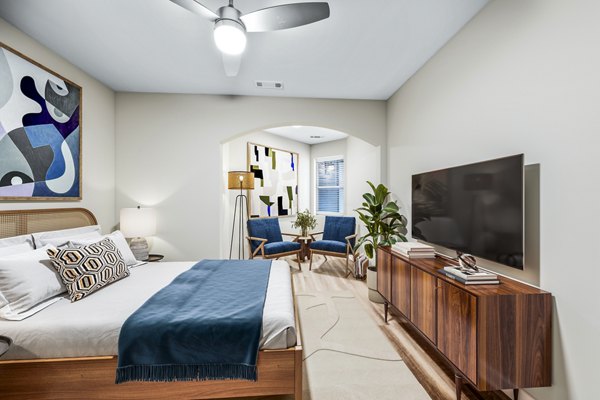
(75, 357)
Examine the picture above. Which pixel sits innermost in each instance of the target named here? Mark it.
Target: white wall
(98, 132)
(235, 159)
(169, 155)
(523, 77)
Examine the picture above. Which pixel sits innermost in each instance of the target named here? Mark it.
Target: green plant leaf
(369, 250)
(383, 221)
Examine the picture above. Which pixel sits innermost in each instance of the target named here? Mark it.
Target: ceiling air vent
(269, 85)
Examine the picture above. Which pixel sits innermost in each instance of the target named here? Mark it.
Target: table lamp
(137, 223)
(241, 180)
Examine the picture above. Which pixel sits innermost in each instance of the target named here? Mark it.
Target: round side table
(155, 257)
(305, 242)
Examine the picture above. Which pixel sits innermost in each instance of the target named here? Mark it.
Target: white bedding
(91, 326)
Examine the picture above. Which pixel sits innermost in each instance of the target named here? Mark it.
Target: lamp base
(139, 248)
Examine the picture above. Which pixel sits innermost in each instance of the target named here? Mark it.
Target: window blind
(330, 186)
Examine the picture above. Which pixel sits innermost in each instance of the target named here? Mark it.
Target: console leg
(385, 310)
(515, 394)
(458, 382)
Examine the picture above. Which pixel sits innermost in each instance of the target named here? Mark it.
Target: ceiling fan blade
(285, 16)
(196, 8)
(231, 63)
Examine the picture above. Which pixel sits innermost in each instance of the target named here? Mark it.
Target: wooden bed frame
(279, 371)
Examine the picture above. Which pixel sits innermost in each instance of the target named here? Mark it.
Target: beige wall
(523, 76)
(98, 132)
(169, 154)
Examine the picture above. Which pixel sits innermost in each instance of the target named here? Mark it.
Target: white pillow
(28, 283)
(39, 236)
(16, 249)
(64, 240)
(118, 239)
(15, 240)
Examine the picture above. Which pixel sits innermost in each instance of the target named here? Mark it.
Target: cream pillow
(119, 241)
(28, 283)
(40, 237)
(64, 240)
(15, 240)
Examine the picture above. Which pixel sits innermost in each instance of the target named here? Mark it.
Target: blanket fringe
(185, 372)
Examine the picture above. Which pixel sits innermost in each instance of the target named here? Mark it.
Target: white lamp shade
(138, 222)
(230, 37)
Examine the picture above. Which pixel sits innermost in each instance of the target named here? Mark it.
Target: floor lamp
(241, 180)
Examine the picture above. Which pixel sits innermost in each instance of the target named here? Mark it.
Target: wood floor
(430, 370)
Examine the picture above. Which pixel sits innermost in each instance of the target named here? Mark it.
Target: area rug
(346, 355)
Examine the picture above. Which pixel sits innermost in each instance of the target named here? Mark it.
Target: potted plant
(385, 226)
(305, 221)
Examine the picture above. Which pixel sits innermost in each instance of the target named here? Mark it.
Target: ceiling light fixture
(231, 26)
(230, 35)
(316, 137)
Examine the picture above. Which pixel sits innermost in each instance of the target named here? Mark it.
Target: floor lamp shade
(240, 180)
(137, 223)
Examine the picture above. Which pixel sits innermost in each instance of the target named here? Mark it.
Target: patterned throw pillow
(86, 269)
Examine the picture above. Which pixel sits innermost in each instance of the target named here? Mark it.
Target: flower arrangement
(305, 221)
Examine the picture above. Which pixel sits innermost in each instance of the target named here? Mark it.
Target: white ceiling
(365, 50)
(308, 134)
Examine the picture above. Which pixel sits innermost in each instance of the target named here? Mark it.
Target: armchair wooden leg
(298, 261)
(311, 258)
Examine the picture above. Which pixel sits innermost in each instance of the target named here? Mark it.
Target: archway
(361, 162)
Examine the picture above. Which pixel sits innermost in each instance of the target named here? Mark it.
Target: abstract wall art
(40, 131)
(275, 181)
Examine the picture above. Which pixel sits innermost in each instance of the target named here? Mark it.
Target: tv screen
(475, 208)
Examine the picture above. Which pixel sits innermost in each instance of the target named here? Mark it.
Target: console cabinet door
(384, 270)
(401, 285)
(457, 328)
(423, 302)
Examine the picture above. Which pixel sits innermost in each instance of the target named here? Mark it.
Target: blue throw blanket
(205, 325)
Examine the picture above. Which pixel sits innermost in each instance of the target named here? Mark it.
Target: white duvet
(91, 326)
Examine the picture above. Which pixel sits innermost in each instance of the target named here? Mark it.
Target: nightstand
(155, 257)
(5, 343)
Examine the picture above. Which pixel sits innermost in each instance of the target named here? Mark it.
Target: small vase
(304, 232)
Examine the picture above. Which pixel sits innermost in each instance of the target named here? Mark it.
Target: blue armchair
(266, 240)
(339, 234)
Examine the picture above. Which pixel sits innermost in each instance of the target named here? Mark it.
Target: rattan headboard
(21, 222)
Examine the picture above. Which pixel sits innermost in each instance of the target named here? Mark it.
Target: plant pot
(374, 295)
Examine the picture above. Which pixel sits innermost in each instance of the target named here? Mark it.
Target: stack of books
(470, 277)
(414, 250)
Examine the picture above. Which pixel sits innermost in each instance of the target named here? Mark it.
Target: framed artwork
(275, 181)
(40, 131)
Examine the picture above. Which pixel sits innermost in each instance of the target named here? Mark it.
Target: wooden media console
(494, 336)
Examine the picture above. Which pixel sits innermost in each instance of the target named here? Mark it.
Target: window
(330, 185)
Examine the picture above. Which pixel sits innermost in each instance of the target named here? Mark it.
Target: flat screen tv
(475, 209)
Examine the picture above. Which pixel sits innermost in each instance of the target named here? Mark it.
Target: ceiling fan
(231, 26)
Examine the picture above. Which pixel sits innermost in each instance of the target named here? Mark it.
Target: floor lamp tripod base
(241, 202)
